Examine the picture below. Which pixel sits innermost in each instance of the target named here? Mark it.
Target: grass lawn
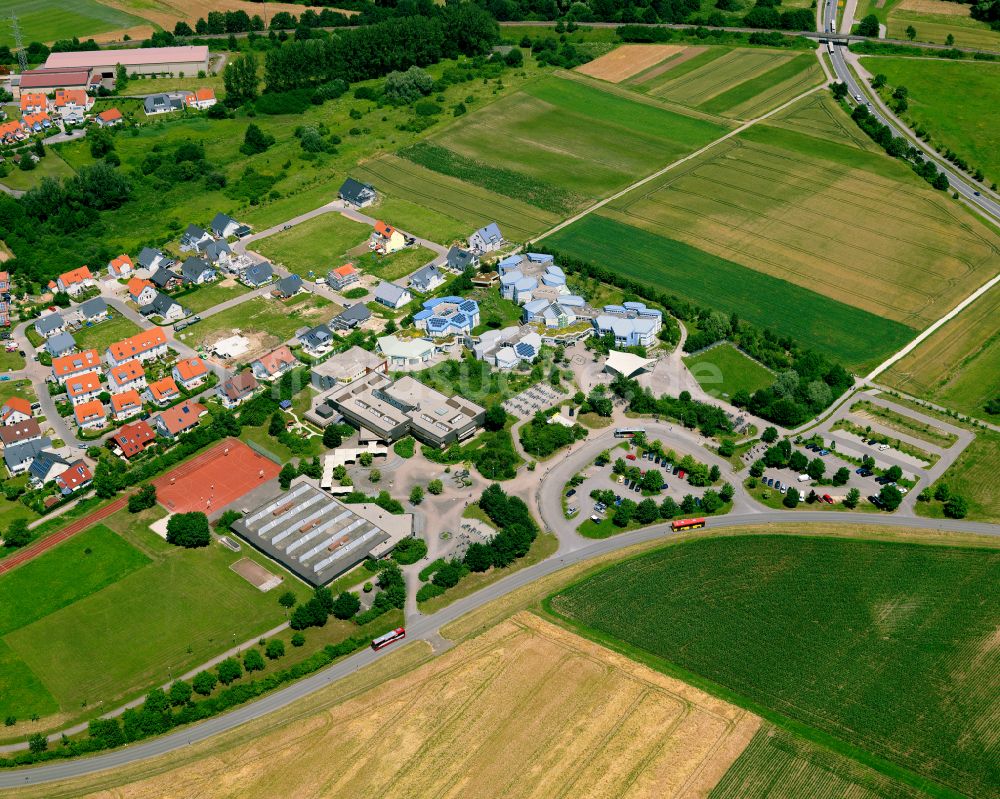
(10, 361)
(139, 610)
(959, 365)
(101, 335)
(883, 647)
(970, 128)
(17, 388)
(724, 370)
(279, 319)
(208, 295)
(494, 310)
(316, 246)
(52, 166)
(395, 266)
(259, 436)
(48, 20)
(975, 475)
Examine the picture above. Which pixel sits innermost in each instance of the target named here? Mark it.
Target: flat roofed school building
(318, 537)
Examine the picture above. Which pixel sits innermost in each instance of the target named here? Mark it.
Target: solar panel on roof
(524, 350)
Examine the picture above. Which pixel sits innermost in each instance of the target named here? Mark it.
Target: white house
(129, 376)
(486, 239)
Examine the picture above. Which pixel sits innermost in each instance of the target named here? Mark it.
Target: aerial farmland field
(526, 709)
(48, 20)
(885, 646)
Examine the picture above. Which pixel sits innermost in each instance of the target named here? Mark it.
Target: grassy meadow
(972, 127)
(853, 335)
(316, 246)
(724, 370)
(885, 647)
(974, 475)
(209, 294)
(101, 335)
(48, 20)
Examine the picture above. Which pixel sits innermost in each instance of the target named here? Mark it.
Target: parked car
(828, 499)
(824, 452)
(571, 492)
(630, 457)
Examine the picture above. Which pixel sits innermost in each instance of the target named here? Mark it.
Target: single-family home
(179, 419)
(217, 252)
(162, 103)
(151, 259)
(164, 279)
(76, 477)
(427, 279)
(163, 392)
(120, 266)
(49, 325)
(189, 373)
(201, 99)
(195, 238)
(126, 405)
(132, 439)
(274, 364)
(34, 103)
(237, 389)
(75, 281)
(460, 260)
(386, 239)
(109, 117)
(60, 344)
(486, 239)
(4, 284)
(72, 104)
(391, 295)
(128, 376)
(288, 287)
(351, 317)
(358, 194)
(164, 306)
(94, 310)
(19, 457)
(15, 410)
(224, 226)
(317, 340)
(141, 291)
(27, 430)
(257, 274)
(47, 466)
(83, 388)
(91, 415)
(343, 276)
(197, 271)
(68, 366)
(145, 345)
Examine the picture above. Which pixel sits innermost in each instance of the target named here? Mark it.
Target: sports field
(855, 336)
(959, 365)
(724, 370)
(972, 127)
(214, 479)
(813, 212)
(778, 765)
(741, 83)
(316, 246)
(885, 646)
(525, 709)
(560, 143)
(48, 20)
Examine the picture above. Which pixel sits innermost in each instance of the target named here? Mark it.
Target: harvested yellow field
(165, 13)
(526, 709)
(935, 7)
(628, 60)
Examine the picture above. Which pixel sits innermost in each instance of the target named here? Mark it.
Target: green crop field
(854, 336)
(934, 21)
(112, 611)
(959, 365)
(975, 475)
(561, 143)
(758, 95)
(888, 647)
(724, 370)
(695, 87)
(692, 58)
(779, 765)
(972, 127)
(48, 20)
(813, 212)
(317, 245)
(104, 333)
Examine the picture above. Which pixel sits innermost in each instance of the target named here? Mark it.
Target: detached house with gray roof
(224, 226)
(196, 271)
(288, 287)
(391, 295)
(217, 252)
(49, 325)
(317, 341)
(151, 259)
(460, 260)
(165, 279)
(427, 279)
(257, 274)
(94, 310)
(195, 238)
(486, 239)
(60, 344)
(352, 317)
(164, 306)
(356, 193)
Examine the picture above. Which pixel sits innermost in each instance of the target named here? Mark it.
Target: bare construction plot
(526, 709)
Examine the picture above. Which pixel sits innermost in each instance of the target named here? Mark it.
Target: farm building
(188, 59)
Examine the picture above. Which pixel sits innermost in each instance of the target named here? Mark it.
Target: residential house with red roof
(75, 281)
(33, 103)
(126, 405)
(190, 372)
(109, 118)
(179, 419)
(15, 410)
(386, 239)
(238, 389)
(120, 266)
(163, 391)
(133, 438)
(343, 276)
(200, 99)
(91, 415)
(128, 376)
(274, 364)
(28, 430)
(83, 388)
(76, 477)
(76, 363)
(72, 104)
(141, 291)
(146, 345)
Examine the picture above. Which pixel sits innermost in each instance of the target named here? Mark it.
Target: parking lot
(531, 400)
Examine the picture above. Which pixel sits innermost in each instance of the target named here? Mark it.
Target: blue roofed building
(447, 316)
(510, 263)
(631, 323)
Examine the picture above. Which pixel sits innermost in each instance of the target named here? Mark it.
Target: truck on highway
(829, 47)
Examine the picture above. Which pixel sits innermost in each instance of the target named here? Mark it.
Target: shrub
(409, 550)
(204, 683)
(298, 639)
(189, 530)
(275, 648)
(229, 670)
(253, 660)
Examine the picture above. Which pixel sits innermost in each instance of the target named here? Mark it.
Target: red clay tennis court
(215, 478)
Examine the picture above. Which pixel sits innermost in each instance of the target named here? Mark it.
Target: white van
(803, 478)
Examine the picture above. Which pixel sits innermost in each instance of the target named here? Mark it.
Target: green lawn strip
(76, 568)
(777, 625)
(905, 424)
(395, 266)
(974, 475)
(51, 166)
(102, 334)
(742, 92)
(10, 361)
(22, 694)
(315, 246)
(260, 436)
(902, 446)
(850, 334)
(17, 388)
(727, 370)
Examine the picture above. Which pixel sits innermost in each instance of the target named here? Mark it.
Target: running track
(45, 544)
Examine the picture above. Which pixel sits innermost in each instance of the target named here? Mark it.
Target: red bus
(388, 638)
(687, 524)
